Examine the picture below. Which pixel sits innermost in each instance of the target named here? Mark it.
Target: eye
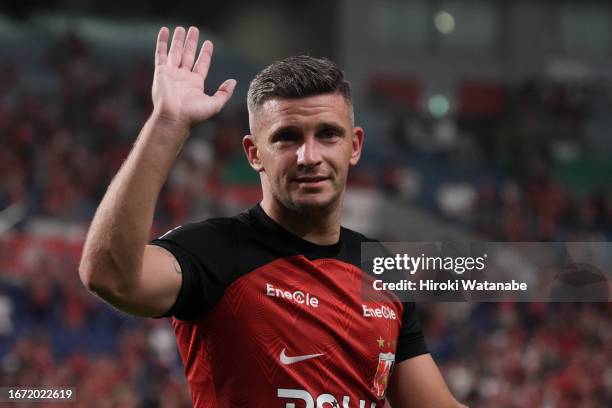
(329, 133)
(287, 136)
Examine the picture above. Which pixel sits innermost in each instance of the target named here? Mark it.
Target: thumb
(225, 91)
(205, 108)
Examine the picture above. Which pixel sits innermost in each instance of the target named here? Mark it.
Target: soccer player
(267, 306)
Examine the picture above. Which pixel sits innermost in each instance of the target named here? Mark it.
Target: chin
(314, 204)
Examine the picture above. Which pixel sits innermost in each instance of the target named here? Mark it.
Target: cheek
(340, 160)
(278, 167)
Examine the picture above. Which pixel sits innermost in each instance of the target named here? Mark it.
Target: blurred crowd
(65, 134)
(537, 167)
(67, 130)
(54, 333)
(524, 354)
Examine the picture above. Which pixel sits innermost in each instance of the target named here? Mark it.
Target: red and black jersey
(266, 319)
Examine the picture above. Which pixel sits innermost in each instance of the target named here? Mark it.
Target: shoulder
(214, 233)
(196, 229)
(352, 236)
(353, 246)
(354, 241)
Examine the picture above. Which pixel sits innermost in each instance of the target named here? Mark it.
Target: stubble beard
(303, 206)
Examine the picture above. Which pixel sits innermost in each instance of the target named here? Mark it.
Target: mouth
(311, 181)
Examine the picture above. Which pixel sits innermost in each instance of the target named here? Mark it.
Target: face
(303, 149)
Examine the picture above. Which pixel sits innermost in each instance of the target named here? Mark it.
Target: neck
(319, 227)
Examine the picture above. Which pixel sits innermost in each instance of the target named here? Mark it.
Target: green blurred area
(586, 175)
(238, 172)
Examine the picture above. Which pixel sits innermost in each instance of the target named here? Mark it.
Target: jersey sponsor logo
(324, 400)
(299, 297)
(383, 371)
(286, 360)
(383, 312)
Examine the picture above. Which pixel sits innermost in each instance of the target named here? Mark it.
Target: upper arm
(157, 288)
(184, 272)
(417, 383)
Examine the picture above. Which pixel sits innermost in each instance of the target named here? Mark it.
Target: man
(266, 306)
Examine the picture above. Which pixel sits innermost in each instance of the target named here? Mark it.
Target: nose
(308, 153)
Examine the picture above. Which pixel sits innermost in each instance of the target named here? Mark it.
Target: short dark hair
(297, 77)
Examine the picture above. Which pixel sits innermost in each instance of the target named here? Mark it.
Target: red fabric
(239, 365)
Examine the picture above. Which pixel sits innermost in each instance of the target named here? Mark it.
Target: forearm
(114, 247)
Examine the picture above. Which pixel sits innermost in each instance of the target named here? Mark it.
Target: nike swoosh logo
(286, 360)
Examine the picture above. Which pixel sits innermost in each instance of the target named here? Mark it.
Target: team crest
(383, 372)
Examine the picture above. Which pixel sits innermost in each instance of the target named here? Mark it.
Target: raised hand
(178, 84)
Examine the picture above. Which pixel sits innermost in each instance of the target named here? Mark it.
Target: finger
(203, 62)
(190, 48)
(225, 91)
(176, 48)
(161, 50)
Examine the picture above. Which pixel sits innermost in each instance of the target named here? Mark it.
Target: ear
(252, 153)
(357, 144)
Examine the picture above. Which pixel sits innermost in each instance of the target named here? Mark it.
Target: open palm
(178, 84)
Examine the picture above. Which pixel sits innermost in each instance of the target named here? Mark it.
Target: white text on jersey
(323, 400)
(383, 312)
(297, 296)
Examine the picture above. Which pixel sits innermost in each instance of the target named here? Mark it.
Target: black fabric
(215, 253)
(206, 253)
(410, 342)
(190, 299)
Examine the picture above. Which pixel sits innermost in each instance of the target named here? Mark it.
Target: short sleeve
(204, 252)
(411, 341)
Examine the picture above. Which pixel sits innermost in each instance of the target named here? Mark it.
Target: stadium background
(484, 119)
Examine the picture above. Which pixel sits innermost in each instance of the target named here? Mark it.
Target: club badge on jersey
(383, 372)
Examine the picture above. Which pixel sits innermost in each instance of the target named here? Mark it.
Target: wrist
(169, 124)
(166, 130)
